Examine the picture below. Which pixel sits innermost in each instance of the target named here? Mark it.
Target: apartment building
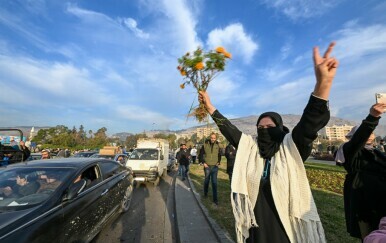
(336, 132)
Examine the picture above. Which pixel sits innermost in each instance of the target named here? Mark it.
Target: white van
(149, 160)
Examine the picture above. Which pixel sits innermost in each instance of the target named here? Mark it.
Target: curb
(177, 229)
(221, 235)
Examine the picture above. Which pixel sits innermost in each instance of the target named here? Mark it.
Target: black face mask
(269, 140)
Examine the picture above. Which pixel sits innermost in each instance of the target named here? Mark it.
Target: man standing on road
(230, 154)
(193, 153)
(210, 157)
(183, 160)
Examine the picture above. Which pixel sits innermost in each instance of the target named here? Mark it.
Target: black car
(66, 200)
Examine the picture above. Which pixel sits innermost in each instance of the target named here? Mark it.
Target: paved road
(149, 219)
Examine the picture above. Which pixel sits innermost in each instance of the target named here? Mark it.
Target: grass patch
(327, 188)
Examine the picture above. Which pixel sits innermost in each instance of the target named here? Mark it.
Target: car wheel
(127, 199)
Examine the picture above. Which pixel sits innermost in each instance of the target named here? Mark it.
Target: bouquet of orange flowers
(199, 69)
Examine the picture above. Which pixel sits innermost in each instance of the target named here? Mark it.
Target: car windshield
(22, 188)
(144, 154)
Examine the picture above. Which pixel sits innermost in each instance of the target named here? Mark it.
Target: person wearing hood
(271, 198)
(364, 188)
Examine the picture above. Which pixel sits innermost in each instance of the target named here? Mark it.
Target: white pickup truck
(149, 160)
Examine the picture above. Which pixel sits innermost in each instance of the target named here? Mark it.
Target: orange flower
(182, 86)
(183, 73)
(220, 49)
(199, 66)
(227, 55)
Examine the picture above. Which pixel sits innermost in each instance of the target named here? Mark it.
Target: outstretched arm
(360, 137)
(316, 114)
(230, 132)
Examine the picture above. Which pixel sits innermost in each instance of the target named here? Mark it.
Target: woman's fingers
(329, 50)
(316, 55)
(332, 63)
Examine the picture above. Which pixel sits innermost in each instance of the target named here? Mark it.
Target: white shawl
(290, 191)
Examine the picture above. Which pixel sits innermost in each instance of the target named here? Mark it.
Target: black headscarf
(269, 139)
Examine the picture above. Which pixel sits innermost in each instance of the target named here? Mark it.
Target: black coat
(230, 154)
(183, 157)
(365, 183)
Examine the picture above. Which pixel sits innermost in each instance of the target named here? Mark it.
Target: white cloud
(132, 25)
(42, 81)
(357, 42)
(184, 23)
(235, 40)
(285, 50)
(302, 9)
(176, 27)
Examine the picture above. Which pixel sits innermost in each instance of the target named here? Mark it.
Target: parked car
(67, 200)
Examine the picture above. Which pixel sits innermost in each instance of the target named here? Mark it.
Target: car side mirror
(75, 189)
(162, 157)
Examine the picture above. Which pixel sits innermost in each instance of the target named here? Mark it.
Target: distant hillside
(25, 129)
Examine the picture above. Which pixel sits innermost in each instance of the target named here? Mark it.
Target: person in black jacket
(271, 132)
(230, 154)
(365, 185)
(183, 157)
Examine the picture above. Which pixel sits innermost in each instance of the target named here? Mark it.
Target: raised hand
(203, 97)
(325, 70)
(377, 109)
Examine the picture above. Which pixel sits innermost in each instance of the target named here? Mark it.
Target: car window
(26, 187)
(91, 175)
(110, 168)
(144, 154)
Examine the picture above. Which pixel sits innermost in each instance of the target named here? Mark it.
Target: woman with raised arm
(271, 197)
(365, 184)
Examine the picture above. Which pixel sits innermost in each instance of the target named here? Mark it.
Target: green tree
(194, 138)
(172, 141)
(82, 135)
(131, 140)
(64, 140)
